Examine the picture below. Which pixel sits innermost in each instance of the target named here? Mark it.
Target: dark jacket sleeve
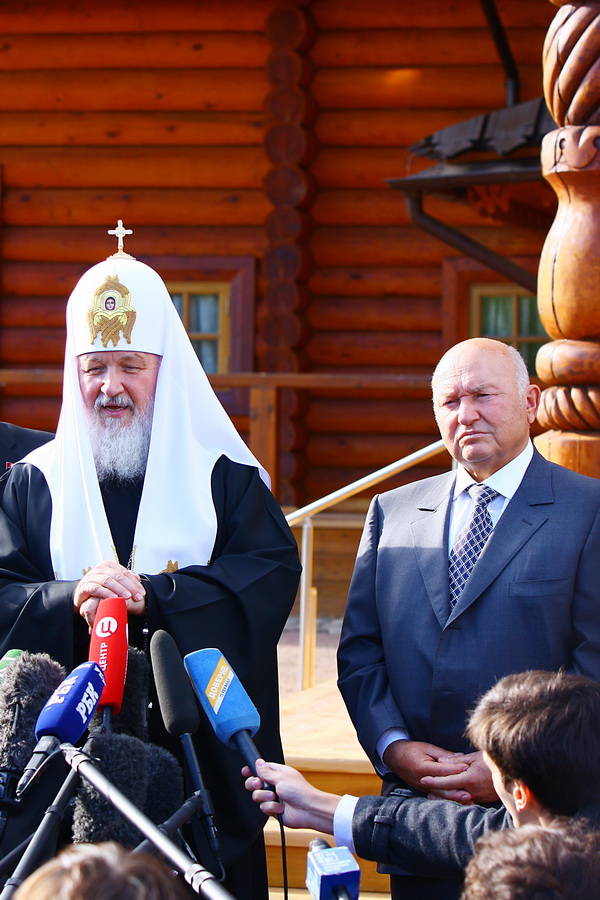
(238, 604)
(36, 612)
(431, 838)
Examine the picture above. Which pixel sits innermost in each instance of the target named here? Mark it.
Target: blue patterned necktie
(470, 540)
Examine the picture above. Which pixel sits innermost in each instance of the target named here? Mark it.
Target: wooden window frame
(240, 272)
(222, 289)
(458, 276)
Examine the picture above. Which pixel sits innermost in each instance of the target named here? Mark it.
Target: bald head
(484, 404)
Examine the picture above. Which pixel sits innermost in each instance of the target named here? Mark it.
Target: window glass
(505, 312)
(204, 310)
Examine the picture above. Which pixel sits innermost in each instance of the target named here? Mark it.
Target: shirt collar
(506, 480)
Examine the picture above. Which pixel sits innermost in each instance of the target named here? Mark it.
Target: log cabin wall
(142, 110)
(387, 74)
(159, 114)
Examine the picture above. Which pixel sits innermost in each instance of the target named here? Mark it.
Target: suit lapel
(526, 512)
(429, 534)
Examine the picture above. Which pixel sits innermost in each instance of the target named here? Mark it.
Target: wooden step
(319, 740)
(297, 841)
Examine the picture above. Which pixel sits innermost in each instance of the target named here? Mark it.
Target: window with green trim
(508, 313)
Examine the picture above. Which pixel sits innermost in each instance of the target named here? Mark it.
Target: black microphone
(331, 872)
(180, 714)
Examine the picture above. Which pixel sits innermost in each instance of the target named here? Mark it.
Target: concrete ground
(328, 634)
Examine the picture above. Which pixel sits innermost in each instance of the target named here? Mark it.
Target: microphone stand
(200, 879)
(46, 829)
(182, 816)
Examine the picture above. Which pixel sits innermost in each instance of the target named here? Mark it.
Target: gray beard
(121, 450)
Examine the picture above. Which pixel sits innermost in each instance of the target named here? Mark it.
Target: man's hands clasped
(462, 777)
(108, 579)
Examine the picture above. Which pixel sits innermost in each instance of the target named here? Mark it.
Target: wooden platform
(320, 741)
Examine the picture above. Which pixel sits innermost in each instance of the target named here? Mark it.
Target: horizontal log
(375, 281)
(131, 167)
(198, 128)
(389, 245)
(320, 481)
(32, 345)
(42, 279)
(23, 312)
(427, 14)
(384, 207)
(422, 46)
(358, 416)
(410, 87)
(172, 206)
(375, 313)
(139, 89)
(90, 245)
(350, 348)
(114, 16)
(362, 167)
(365, 450)
(384, 127)
(31, 412)
(168, 49)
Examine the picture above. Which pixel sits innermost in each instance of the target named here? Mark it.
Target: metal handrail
(304, 515)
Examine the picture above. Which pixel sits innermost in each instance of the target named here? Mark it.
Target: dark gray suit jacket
(532, 602)
(432, 838)
(16, 442)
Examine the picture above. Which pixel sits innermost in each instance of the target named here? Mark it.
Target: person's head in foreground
(540, 735)
(535, 863)
(102, 871)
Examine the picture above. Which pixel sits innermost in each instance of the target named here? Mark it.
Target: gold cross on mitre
(120, 232)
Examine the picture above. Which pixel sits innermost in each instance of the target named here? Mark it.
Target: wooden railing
(264, 387)
(263, 406)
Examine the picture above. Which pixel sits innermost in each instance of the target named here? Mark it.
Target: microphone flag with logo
(108, 647)
(65, 716)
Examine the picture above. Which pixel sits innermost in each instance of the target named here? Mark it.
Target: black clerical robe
(239, 604)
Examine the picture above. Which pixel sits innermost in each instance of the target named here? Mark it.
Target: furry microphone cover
(148, 775)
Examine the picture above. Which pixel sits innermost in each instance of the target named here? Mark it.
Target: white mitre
(123, 304)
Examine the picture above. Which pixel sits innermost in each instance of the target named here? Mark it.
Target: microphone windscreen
(69, 710)
(108, 648)
(123, 760)
(221, 694)
(165, 784)
(27, 684)
(176, 698)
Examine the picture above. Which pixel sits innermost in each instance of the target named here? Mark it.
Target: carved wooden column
(569, 272)
(290, 147)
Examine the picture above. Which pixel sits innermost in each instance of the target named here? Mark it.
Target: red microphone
(108, 647)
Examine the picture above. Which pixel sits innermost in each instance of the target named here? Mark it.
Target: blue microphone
(230, 711)
(65, 716)
(332, 873)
